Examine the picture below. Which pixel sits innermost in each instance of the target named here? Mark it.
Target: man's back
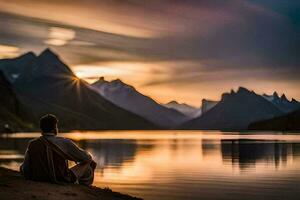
(38, 163)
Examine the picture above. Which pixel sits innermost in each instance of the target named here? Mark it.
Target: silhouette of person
(46, 158)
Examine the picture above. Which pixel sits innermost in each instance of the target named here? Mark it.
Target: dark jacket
(46, 159)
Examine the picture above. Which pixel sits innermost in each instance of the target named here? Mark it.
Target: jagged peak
(101, 80)
(243, 89)
(208, 100)
(294, 101)
(283, 97)
(48, 53)
(225, 95)
(49, 62)
(118, 81)
(275, 95)
(240, 91)
(27, 56)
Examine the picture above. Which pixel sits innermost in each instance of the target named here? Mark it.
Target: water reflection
(177, 166)
(111, 152)
(242, 153)
(247, 153)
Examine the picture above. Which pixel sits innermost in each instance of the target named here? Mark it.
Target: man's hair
(48, 123)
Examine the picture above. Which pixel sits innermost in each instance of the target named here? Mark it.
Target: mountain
(207, 105)
(11, 114)
(44, 84)
(186, 109)
(130, 99)
(235, 111)
(282, 102)
(288, 122)
(18, 68)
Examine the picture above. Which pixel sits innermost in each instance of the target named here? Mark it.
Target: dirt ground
(14, 187)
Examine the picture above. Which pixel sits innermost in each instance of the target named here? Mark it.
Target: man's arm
(76, 153)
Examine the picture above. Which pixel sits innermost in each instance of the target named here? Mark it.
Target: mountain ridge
(184, 108)
(48, 84)
(235, 111)
(282, 102)
(127, 97)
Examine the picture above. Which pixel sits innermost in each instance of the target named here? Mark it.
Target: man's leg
(84, 173)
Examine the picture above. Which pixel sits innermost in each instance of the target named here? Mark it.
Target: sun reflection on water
(152, 164)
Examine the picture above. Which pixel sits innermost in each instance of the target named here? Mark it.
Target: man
(46, 157)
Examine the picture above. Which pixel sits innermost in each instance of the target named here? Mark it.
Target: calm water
(183, 165)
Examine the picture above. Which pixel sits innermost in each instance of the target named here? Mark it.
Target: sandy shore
(13, 186)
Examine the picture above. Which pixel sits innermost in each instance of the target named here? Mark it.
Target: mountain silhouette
(130, 99)
(45, 84)
(235, 111)
(184, 108)
(207, 105)
(282, 102)
(288, 122)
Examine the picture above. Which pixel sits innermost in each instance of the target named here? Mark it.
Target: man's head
(48, 124)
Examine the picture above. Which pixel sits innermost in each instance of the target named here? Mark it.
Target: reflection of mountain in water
(105, 152)
(111, 152)
(116, 153)
(247, 153)
(209, 147)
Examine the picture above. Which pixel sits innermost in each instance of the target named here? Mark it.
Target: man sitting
(46, 157)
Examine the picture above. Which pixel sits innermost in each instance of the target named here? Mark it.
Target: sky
(183, 50)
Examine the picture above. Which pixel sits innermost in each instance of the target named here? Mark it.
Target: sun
(75, 79)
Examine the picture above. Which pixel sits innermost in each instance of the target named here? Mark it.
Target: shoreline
(14, 186)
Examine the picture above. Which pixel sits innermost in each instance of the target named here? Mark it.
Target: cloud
(7, 51)
(60, 36)
(179, 43)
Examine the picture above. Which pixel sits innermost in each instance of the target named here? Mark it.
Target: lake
(183, 165)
